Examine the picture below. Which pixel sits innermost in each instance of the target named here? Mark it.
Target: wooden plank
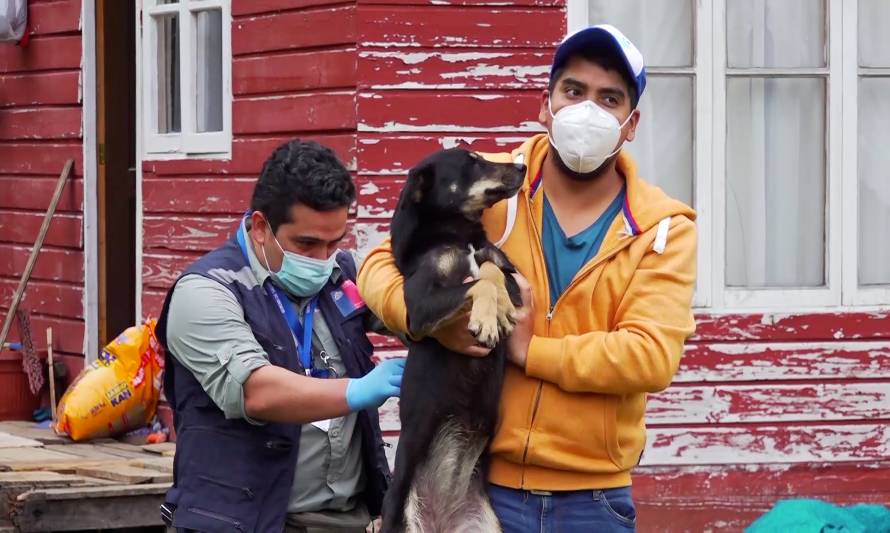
(42, 159)
(257, 7)
(14, 480)
(121, 449)
(125, 473)
(57, 17)
(31, 192)
(369, 234)
(769, 403)
(153, 301)
(793, 327)
(766, 444)
(443, 111)
(52, 298)
(496, 70)
(724, 498)
(784, 361)
(87, 451)
(294, 113)
(505, 27)
(22, 227)
(248, 156)
(54, 264)
(296, 71)
(13, 441)
(43, 123)
(17, 459)
(388, 154)
(477, 3)
(69, 333)
(377, 195)
(160, 271)
(121, 506)
(85, 493)
(43, 53)
(188, 233)
(39, 88)
(161, 464)
(166, 449)
(295, 29)
(209, 195)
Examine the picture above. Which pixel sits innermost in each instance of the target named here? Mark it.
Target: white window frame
(709, 145)
(854, 294)
(188, 141)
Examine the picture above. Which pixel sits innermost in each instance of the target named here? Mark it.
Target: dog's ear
(419, 180)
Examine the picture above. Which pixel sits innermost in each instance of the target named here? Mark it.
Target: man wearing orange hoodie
(610, 261)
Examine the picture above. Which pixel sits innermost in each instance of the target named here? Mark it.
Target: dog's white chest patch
(474, 266)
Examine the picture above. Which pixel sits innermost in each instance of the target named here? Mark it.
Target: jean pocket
(620, 505)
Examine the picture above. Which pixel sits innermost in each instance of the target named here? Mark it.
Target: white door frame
(90, 183)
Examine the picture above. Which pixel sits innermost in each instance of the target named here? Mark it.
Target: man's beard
(593, 175)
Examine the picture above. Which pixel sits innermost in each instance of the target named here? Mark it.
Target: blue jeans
(597, 511)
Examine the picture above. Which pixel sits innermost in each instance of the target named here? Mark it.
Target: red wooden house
(766, 116)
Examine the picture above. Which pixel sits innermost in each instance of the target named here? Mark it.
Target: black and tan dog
(449, 401)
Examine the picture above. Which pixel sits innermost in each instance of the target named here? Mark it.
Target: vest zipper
(217, 516)
(247, 492)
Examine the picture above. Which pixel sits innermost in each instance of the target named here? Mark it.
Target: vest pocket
(224, 480)
(204, 520)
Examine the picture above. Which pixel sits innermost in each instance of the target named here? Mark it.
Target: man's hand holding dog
(455, 335)
(517, 343)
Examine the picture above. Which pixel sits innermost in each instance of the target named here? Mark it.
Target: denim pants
(596, 511)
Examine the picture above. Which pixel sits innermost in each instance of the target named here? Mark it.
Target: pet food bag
(119, 391)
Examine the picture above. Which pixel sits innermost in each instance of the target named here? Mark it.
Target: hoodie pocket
(574, 432)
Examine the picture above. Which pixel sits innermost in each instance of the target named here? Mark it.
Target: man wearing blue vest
(269, 368)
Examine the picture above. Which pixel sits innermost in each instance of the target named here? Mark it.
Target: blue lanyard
(300, 331)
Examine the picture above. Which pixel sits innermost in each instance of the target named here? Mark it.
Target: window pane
(208, 69)
(874, 39)
(775, 33)
(874, 181)
(168, 95)
(775, 182)
(662, 29)
(663, 145)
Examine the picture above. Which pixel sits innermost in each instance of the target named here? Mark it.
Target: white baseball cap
(602, 37)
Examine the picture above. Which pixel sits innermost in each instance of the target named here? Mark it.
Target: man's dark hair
(605, 61)
(302, 172)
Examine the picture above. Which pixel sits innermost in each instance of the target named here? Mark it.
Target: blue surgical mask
(300, 275)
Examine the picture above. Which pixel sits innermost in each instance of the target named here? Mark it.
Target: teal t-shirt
(566, 255)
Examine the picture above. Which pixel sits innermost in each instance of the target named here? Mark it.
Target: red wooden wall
(293, 75)
(41, 127)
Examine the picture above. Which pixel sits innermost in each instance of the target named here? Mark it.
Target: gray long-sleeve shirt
(209, 335)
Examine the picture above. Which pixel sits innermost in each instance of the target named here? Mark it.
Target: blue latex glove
(374, 388)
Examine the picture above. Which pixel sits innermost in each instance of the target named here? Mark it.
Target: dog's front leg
(506, 311)
(484, 311)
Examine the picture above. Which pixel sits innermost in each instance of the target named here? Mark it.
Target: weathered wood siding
(41, 127)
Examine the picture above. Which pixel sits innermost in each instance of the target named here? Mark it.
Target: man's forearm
(275, 394)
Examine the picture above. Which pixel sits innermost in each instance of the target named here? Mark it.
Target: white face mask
(585, 135)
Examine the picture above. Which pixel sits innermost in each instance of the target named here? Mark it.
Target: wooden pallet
(50, 483)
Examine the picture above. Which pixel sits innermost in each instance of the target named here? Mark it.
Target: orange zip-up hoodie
(574, 417)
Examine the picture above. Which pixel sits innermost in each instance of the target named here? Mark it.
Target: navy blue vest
(229, 475)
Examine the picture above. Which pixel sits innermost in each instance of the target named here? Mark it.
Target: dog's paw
(485, 332)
